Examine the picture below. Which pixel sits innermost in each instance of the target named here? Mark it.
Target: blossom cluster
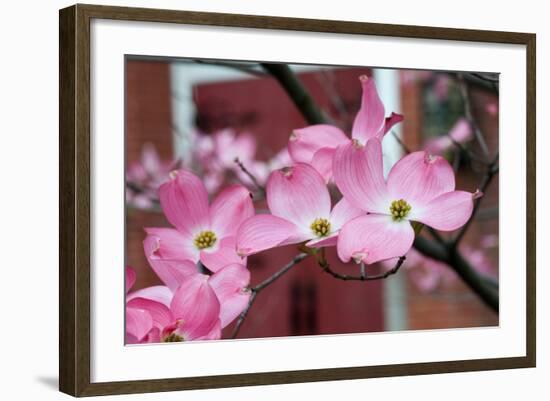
(202, 259)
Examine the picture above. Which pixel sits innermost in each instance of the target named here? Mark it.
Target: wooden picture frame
(75, 207)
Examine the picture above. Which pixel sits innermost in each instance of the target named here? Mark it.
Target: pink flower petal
(373, 238)
(214, 334)
(184, 201)
(130, 278)
(265, 231)
(447, 212)
(230, 208)
(358, 174)
(195, 304)
(298, 194)
(229, 284)
(330, 240)
(138, 323)
(225, 254)
(322, 162)
(420, 177)
(171, 272)
(343, 212)
(390, 121)
(171, 244)
(305, 142)
(369, 121)
(157, 311)
(157, 293)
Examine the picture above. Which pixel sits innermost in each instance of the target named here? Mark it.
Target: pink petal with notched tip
(369, 121)
(358, 174)
(305, 142)
(373, 238)
(229, 284)
(130, 278)
(390, 121)
(225, 254)
(265, 231)
(447, 212)
(171, 272)
(230, 208)
(138, 323)
(184, 201)
(157, 293)
(298, 194)
(159, 312)
(195, 304)
(420, 177)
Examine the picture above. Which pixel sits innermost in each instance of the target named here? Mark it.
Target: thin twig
(492, 170)
(256, 289)
(250, 175)
(363, 277)
(469, 116)
(401, 143)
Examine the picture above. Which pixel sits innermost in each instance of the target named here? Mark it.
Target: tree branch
(484, 287)
(363, 277)
(252, 177)
(296, 91)
(492, 170)
(469, 115)
(254, 291)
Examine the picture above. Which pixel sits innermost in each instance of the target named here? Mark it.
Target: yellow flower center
(399, 209)
(172, 338)
(320, 227)
(205, 239)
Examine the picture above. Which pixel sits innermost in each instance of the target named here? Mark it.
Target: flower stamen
(399, 209)
(320, 227)
(172, 338)
(205, 239)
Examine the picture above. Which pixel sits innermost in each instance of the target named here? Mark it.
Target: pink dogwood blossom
(196, 309)
(300, 207)
(202, 232)
(420, 187)
(139, 322)
(316, 144)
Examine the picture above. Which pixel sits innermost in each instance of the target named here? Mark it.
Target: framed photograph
(250, 200)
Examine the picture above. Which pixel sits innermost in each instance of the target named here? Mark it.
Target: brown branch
(296, 91)
(492, 170)
(469, 115)
(484, 287)
(363, 277)
(254, 291)
(250, 175)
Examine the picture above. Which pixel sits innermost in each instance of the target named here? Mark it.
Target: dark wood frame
(74, 202)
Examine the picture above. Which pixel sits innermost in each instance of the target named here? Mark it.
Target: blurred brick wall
(148, 120)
